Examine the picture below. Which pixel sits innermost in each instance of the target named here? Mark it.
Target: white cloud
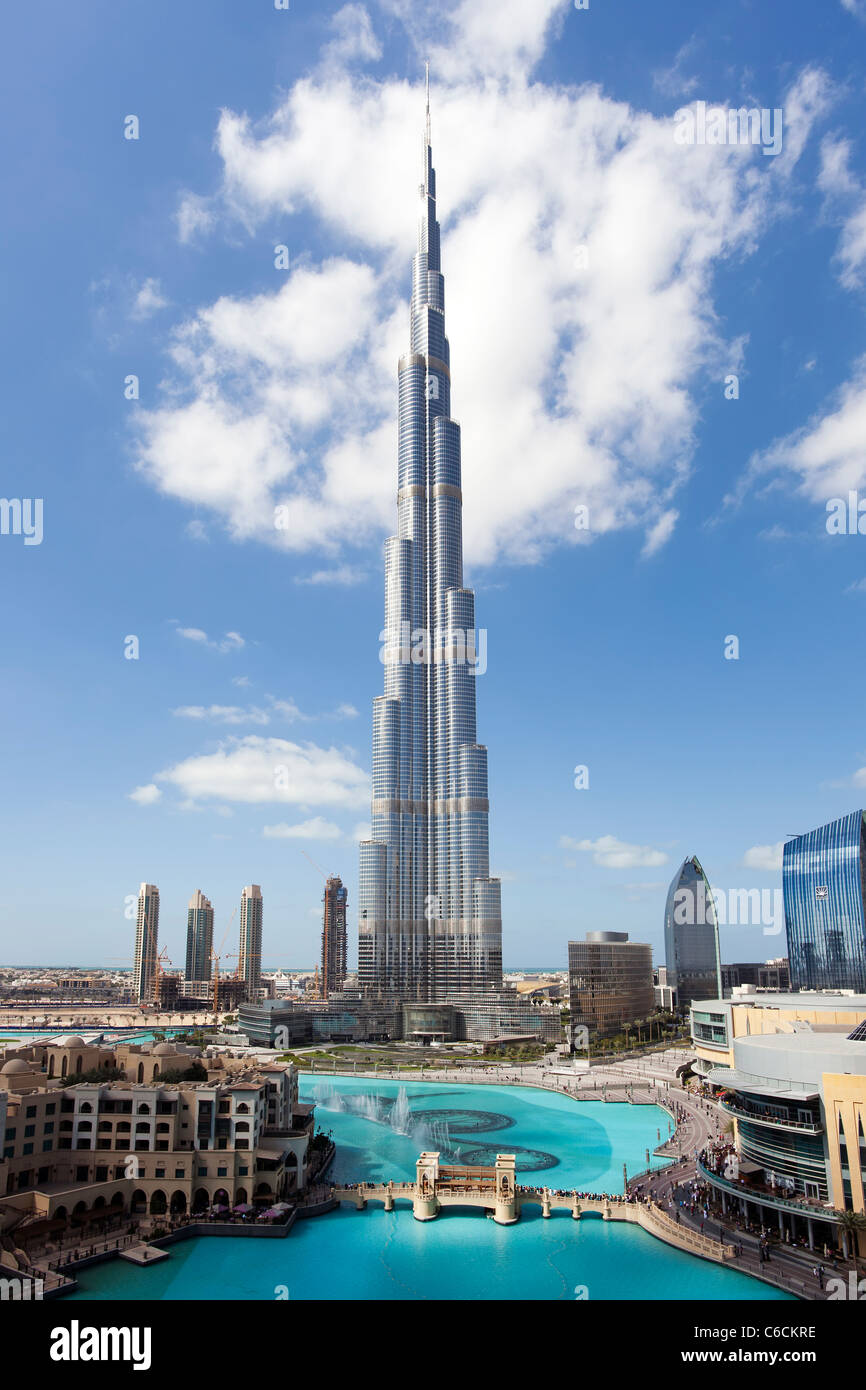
(242, 681)
(344, 575)
(355, 38)
(286, 710)
(765, 857)
(287, 398)
(315, 829)
(148, 300)
(254, 769)
(223, 714)
(612, 853)
(146, 795)
(672, 81)
(230, 642)
(826, 453)
(659, 534)
(196, 530)
(194, 216)
(844, 203)
(855, 7)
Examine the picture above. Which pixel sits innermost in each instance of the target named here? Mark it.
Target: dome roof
(13, 1067)
(163, 1050)
(74, 1041)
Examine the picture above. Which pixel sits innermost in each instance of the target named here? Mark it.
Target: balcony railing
(770, 1196)
(773, 1121)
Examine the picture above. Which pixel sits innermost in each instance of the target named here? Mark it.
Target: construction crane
(215, 962)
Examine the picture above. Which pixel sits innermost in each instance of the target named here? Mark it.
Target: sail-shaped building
(429, 912)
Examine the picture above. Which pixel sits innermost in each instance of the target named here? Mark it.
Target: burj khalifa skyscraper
(430, 921)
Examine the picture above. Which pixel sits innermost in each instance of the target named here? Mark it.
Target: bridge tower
(425, 1204)
(505, 1210)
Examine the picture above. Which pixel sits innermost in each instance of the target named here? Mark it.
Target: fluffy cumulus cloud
(765, 857)
(580, 243)
(611, 853)
(147, 795)
(255, 770)
(826, 454)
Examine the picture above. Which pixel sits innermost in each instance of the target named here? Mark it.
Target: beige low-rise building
(75, 1150)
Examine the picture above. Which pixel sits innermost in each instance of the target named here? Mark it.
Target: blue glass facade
(692, 954)
(823, 883)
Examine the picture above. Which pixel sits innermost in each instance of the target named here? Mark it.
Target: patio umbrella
(244, 1207)
(220, 1208)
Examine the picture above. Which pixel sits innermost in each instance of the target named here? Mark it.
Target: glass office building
(610, 981)
(429, 912)
(692, 957)
(823, 880)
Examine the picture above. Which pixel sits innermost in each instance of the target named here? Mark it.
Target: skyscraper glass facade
(146, 963)
(199, 938)
(692, 957)
(250, 948)
(429, 912)
(824, 884)
(334, 937)
(610, 981)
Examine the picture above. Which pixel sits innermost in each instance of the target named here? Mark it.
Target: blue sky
(595, 382)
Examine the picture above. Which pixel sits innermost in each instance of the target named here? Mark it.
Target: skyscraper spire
(427, 82)
(430, 917)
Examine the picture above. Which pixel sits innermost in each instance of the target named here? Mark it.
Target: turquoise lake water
(390, 1256)
(135, 1035)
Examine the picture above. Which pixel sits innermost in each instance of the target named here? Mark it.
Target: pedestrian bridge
(437, 1186)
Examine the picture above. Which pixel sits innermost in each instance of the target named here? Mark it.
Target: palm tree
(851, 1224)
